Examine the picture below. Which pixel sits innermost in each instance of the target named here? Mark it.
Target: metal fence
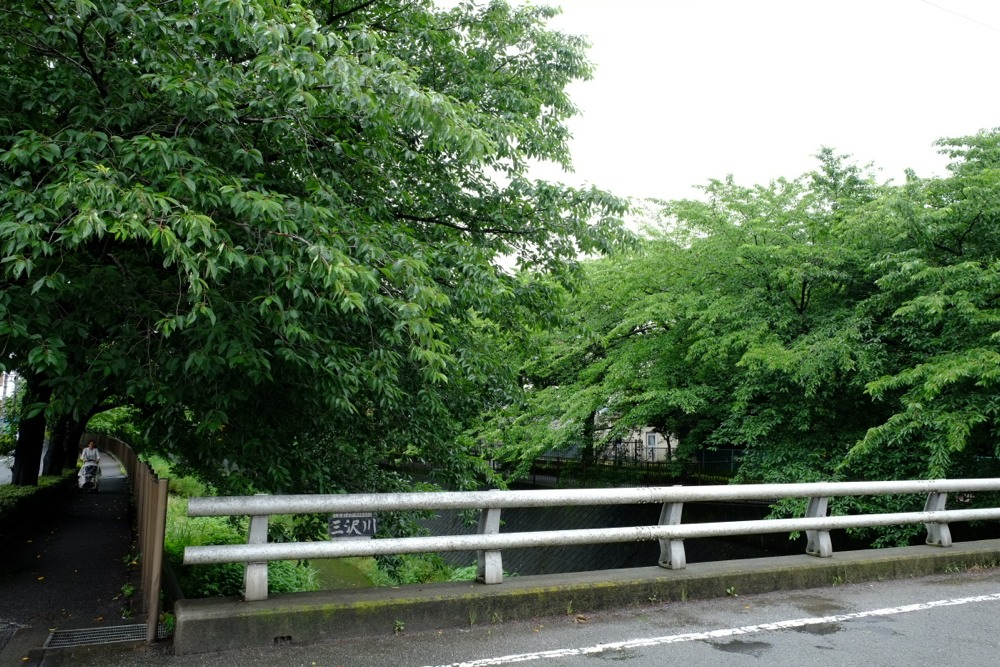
(149, 493)
(489, 541)
(632, 463)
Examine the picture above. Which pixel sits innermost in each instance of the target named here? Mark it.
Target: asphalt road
(949, 619)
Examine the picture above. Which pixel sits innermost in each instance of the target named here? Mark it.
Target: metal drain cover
(91, 636)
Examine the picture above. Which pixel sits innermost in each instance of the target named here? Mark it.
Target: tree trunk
(31, 435)
(588, 453)
(74, 435)
(56, 456)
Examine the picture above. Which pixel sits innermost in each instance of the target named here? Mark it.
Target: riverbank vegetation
(300, 245)
(283, 576)
(217, 580)
(831, 326)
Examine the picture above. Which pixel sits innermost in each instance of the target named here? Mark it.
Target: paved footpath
(65, 569)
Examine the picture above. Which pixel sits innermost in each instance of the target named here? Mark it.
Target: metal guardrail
(489, 541)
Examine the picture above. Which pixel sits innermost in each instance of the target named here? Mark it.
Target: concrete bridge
(904, 606)
(257, 620)
(380, 614)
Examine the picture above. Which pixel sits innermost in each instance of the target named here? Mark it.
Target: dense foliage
(276, 232)
(10, 416)
(223, 579)
(276, 229)
(831, 326)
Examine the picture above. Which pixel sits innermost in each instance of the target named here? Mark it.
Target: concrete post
(818, 541)
(255, 575)
(938, 534)
(672, 554)
(490, 570)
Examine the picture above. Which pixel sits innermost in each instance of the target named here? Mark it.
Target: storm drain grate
(107, 635)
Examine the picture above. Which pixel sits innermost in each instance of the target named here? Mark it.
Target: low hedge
(19, 503)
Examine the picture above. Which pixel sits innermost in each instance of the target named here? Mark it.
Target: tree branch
(347, 12)
(452, 225)
(968, 230)
(88, 64)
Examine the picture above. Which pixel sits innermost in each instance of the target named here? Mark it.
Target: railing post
(938, 534)
(818, 541)
(152, 591)
(490, 570)
(255, 575)
(672, 554)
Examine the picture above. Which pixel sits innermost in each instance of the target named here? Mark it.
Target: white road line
(716, 634)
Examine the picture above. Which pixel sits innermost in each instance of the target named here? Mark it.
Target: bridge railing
(489, 541)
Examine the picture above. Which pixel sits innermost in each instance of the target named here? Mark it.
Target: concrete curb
(24, 647)
(228, 623)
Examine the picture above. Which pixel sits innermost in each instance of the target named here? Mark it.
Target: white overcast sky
(688, 90)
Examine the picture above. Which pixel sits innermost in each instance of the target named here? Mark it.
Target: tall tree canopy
(832, 326)
(276, 228)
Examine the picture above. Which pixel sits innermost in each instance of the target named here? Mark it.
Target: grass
(225, 579)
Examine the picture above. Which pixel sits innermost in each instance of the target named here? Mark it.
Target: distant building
(641, 444)
(9, 384)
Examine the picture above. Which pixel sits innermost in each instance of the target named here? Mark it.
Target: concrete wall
(228, 623)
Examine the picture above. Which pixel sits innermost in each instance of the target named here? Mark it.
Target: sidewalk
(66, 569)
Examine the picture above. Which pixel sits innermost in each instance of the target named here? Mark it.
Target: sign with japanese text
(352, 525)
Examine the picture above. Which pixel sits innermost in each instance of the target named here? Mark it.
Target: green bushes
(10, 416)
(199, 581)
(17, 502)
(7, 441)
(412, 569)
(409, 569)
(12, 496)
(181, 486)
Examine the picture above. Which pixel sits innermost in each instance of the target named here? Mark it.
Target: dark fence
(634, 464)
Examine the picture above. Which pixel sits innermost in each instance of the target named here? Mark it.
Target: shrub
(10, 415)
(412, 569)
(17, 502)
(467, 573)
(118, 423)
(224, 579)
(7, 442)
(184, 486)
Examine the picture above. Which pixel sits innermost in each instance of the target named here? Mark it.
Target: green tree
(733, 325)
(831, 326)
(10, 416)
(937, 320)
(276, 229)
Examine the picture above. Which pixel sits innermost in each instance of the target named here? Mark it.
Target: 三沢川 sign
(352, 525)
